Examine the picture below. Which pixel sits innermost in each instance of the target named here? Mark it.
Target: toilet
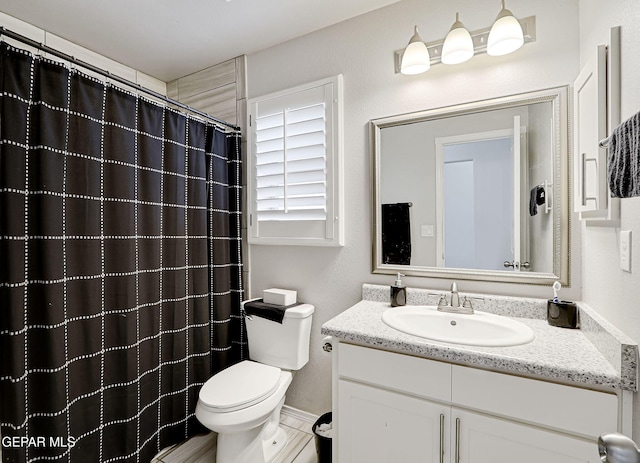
(242, 403)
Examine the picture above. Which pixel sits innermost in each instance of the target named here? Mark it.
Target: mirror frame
(561, 181)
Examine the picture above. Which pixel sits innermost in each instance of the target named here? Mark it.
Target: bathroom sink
(477, 329)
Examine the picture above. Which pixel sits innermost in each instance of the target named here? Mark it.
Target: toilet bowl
(246, 419)
(243, 402)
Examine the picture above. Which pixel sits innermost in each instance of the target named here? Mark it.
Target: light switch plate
(625, 250)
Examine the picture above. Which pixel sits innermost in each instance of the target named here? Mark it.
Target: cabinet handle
(583, 180)
(441, 438)
(586, 198)
(457, 440)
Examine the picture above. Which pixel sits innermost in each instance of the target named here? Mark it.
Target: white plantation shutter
(295, 166)
(291, 164)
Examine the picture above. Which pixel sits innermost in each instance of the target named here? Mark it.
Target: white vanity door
(379, 426)
(479, 438)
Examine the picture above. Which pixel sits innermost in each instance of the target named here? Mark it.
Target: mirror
(474, 191)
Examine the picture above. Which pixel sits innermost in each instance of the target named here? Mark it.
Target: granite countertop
(597, 355)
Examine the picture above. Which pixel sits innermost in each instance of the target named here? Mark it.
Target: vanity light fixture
(415, 59)
(506, 34)
(458, 45)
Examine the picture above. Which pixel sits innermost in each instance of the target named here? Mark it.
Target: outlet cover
(426, 230)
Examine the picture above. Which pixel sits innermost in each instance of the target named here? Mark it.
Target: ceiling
(168, 39)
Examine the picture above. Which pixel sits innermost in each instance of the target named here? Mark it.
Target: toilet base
(274, 446)
(257, 445)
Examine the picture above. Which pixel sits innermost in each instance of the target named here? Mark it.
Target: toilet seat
(240, 386)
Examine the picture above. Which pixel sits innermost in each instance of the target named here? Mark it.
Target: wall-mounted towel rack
(539, 195)
(548, 201)
(605, 142)
(410, 204)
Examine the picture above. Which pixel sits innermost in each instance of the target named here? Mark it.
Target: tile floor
(300, 446)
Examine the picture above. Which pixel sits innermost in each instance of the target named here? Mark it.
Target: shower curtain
(120, 266)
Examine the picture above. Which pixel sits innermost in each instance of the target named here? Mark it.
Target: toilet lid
(240, 386)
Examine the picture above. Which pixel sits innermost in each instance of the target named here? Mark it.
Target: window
(295, 166)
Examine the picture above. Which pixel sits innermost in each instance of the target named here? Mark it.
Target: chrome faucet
(455, 298)
(455, 306)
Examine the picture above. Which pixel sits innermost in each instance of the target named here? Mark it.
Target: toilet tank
(284, 345)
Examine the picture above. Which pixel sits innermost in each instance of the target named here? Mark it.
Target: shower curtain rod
(40, 46)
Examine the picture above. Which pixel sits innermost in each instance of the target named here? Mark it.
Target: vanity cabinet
(396, 407)
(383, 426)
(480, 438)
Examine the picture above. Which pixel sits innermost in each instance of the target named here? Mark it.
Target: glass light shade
(506, 34)
(415, 59)
(458, 45)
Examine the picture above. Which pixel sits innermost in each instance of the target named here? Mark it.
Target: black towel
(623, 166)
(537, 197)
(396, 234)
(273, 312)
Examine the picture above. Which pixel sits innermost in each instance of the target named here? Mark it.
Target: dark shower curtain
(120, 266)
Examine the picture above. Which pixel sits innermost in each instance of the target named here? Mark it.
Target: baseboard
(299, 414)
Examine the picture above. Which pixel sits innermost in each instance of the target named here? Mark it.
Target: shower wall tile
(172, 89)
(207, 79)
(220, 91)
(244, 219)
(219, 102)
(241, 77)
(246, 279)
(213, 90)
(241, 120)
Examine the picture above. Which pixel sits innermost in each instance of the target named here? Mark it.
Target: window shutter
(291, 164)
(295, 166)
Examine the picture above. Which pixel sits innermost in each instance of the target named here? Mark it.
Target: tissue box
(279, 296)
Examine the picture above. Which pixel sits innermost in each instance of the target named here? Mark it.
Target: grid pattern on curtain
(121, 266)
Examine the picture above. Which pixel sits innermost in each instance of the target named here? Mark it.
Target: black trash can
(323, 443)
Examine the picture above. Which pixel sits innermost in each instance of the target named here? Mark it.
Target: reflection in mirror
(474, 191)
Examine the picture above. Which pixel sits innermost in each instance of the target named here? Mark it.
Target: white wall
(362, 50)
(606, 288)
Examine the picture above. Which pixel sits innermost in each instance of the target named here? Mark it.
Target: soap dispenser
(398, 292)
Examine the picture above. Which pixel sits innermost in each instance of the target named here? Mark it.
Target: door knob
(516, 265)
